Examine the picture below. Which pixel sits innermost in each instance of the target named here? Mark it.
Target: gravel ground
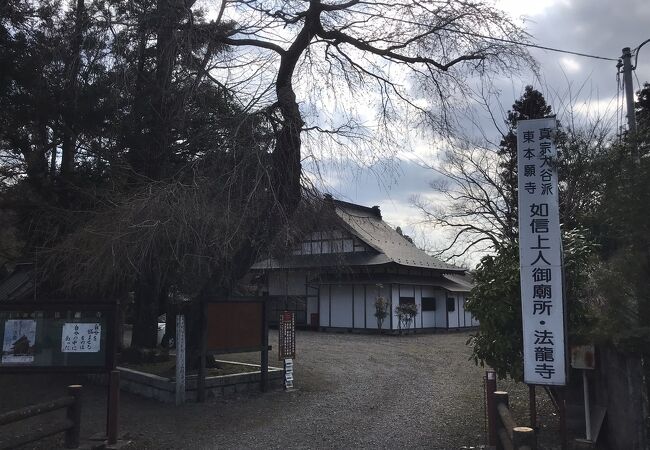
(352, 391)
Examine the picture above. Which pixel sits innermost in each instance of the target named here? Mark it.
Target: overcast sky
(596, 27)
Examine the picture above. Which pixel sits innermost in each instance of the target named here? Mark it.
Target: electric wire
(508, 41)
(636, 52)
(527, 44)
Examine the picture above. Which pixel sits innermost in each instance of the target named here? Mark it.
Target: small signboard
(540, 254)
(583, 357)
(81, 337)
(18, 342)
(287, 336)
(288, 373)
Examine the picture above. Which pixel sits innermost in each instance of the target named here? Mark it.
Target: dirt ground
(352, 391)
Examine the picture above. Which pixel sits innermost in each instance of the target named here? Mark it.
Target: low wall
(164, 389)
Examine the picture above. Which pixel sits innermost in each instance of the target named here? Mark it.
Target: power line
(508, 41)
(527, 44)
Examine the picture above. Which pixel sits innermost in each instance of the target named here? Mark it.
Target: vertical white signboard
(540, 249)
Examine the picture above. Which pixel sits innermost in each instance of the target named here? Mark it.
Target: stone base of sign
(164, 389)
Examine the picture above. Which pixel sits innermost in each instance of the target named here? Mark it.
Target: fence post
(490, 388)
(499, 398)
(180, 359)
(73, 413)
(113, 405)
(524, 437)
(532, 406)
(264, 355)
(200, 381)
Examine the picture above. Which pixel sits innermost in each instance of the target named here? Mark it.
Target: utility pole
(629, 97)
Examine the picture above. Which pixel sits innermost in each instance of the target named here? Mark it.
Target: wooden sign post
(287, 346)
(180, 359)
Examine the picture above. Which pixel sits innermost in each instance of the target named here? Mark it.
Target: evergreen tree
(531, 105)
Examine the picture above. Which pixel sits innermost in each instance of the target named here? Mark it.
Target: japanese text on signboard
(540, 254)
(80, 337)
(287, 336)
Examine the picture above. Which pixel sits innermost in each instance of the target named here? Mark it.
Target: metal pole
(585, 386)
(629, 98)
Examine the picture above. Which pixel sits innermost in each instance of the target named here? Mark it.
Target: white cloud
(570, 64)
(518, 8)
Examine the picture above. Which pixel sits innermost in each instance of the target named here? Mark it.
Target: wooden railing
(510, 436)
(70, 425)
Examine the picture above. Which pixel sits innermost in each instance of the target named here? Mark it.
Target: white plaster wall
(297, 283)
(293, 283)
(441, 309)
(395, 301)
(341, 306)
(312, 307)
(409, 290)
(460, 304)
(359, 306)
(406, 290)
(372, 292)
(428, 319)
(417, 323)
(453, 315)
(468, 315)
(277, 283)
(324, 314)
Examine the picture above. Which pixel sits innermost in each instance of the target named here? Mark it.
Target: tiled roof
(367, 225)
(17, 285)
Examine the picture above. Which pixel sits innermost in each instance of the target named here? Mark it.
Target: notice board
(235, 326)
(65, 337)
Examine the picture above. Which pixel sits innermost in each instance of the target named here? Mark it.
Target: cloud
(571, 84)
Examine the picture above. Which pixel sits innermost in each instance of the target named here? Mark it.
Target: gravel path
(352, 391)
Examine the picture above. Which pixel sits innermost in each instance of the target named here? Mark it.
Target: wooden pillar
(73, 414)
(264, 363)
(500, 398)
(113, 407)
(180, 359)
(562, 408)
(200, 382)
(524, 438)
(490, 405)
(532, 406)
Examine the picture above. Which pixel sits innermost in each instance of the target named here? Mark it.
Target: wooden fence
(509, 435)
(70, 425)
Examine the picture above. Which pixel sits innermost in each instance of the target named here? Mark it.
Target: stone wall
(164, 390)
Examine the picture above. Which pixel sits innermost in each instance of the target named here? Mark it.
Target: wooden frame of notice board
(234, 325)
(48, 324)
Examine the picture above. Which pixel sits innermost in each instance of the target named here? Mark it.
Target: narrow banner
(540, 250)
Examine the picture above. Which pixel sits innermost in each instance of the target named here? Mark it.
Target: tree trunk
(148, 296)
(69, 143)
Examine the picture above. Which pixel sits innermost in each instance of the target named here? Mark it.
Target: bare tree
(408, 56)
(470, 201)
(476, 191)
